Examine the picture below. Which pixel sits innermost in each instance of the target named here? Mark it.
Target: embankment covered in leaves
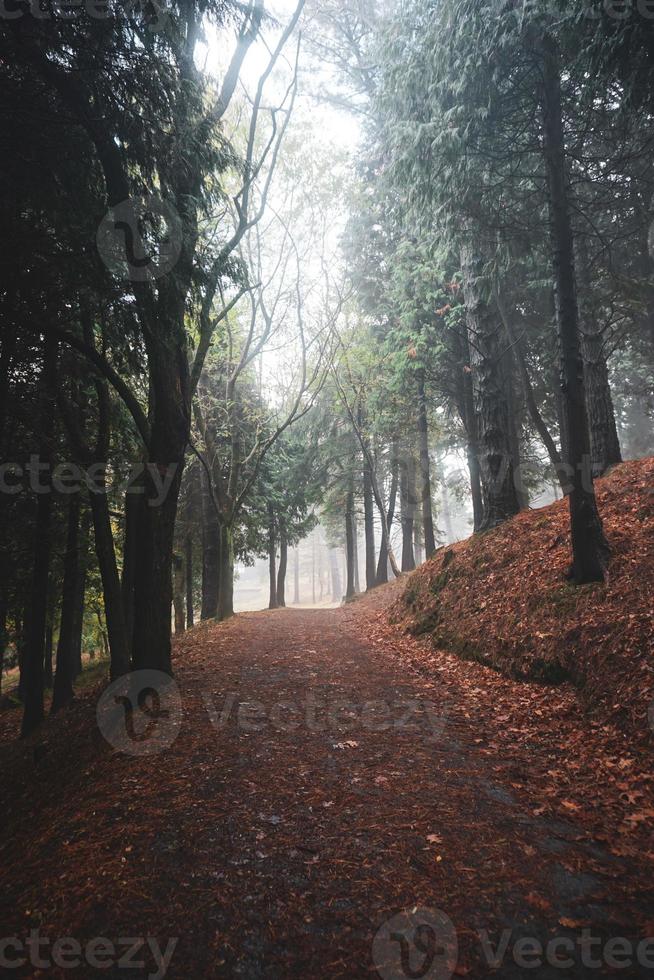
(502, 598)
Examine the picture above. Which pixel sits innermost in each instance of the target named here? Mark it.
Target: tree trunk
(508, 367)
(80, 592)
(9, 337)
(563, 431)
(349, 543)
(179, 594)
(226, 584)
(474, 469)
(296, 575)
(643, 212)
(466, 407)
(368, 524)
(4, 608)
(66, 646)
(118, 636)
(48, 674)
(589, 546)
(382, 563)
(604, 442)
(156, 532)
(425, 468)
(210, 553)
(21, 644)
(417, 526)
(188, 557)
(337, 588)
(3, 633)
(104, 639)
(605, 445)
(490, 403)
(111, 587)
(407, 497)
(38, 608)
(130, 550)
(355, 529)
(530, 398)
(272, 558)
(369, 473)
(283, 565)
(313, 568)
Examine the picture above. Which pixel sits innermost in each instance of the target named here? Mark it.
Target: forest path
(319, 784)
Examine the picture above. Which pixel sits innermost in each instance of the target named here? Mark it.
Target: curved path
(326, 808)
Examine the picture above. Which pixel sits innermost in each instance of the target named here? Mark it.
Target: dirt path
(317, 786)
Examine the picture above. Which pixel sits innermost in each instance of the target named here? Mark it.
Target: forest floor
(330, 772)
(502, 598)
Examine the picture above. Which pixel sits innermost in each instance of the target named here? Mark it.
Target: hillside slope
(502, 598)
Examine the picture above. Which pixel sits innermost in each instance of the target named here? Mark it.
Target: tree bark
(604, 442)
(80, 592)
(282, 569)
(272, 558)
(417, 526)
(368, 524)
(296, 575)
(643, 212)
(374, 486)
(589, 546)
(113, 599)
(337, 588)
(48, 674)
(21, 645)
(530, 398)
(226, 589)
(9, 337)
(349, 543)
(3, 633)
(466, 407)
(425, 468)
(211, 564)
(357, 587)
(407, 498)
(179, 594)
(490, 403)
(130, 548)
(65, 673)
(283, 565)
(38, 608)
(169, 429)
(103, 534)
(382, 563)
(188, 557)
(508, 366)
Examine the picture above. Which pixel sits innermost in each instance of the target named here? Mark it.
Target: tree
(589, 546)
(478, 155)
(135, 156)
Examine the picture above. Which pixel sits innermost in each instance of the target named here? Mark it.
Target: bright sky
(318, 142)
(329, 123)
